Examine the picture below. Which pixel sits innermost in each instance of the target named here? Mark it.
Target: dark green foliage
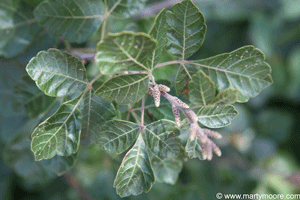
(82, 110)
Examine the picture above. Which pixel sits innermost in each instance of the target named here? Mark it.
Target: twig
(207, 145)
(95, 79)
(142, 114)
(171, 63)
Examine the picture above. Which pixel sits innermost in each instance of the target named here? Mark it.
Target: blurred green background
(261, 148)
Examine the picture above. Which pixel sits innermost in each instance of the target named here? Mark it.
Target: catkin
(156, 95)
(176, 115)
(163, 88)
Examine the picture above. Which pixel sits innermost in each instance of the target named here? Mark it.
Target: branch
(207, 145)
(84, 54)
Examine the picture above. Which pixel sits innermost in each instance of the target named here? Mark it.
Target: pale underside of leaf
(60, 133)
(124, 89)
(57, 73)
(95, 113)
(135, 174)
(125, 51)
(116, 136)
(216, 116)
(187, 29)
(161, 137)
(75, 20)
(17, 28)
(202, 89)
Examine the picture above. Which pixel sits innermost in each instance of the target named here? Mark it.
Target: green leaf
(227, 96)
(17, 27)
(187, 29)
(116, 136)
(125, 8)
(161, 137)
(95, 113)
(29, 97)
(75, 20)
(57, 73)
(159, 32)
(216, 116)
(124, 89)
(243, 69)
(135, 174)
(193, 148)
(184, 75)
(60, 133)
(125, 51)
(166, 170)
(202, 89)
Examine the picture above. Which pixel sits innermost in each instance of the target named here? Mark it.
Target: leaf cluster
(111, 113)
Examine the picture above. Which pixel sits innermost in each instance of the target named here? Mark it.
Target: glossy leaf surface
(159, 32)
(202, 89)
(135, 174)
(216, 116)
(243, 69)
(161, 137)
(60, 133)
(75, 20)
(186, 29)
(57, 73)
(116, 136)
(227, 96)
(125, 51)
(124, 89)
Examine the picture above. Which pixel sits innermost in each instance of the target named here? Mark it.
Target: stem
(68, 46)
(94, 79)
(133, 114)
(171, 63)
(106, 14)
(103, 28)
(142, 114)
(114, 7)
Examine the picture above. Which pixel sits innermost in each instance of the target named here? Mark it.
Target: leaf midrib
(65, 121)
(129, 56)
(63, 75)
(123, 86)
(225, 71)
(159, 138)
